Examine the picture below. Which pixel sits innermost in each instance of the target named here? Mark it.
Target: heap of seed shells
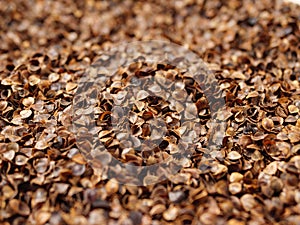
(253, 49)
(145, 114)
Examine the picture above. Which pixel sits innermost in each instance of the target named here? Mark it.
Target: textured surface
(253, 48)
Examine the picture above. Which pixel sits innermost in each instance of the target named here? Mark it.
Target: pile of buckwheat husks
(252, 47)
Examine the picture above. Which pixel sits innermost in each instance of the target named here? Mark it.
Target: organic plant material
(251, 47)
